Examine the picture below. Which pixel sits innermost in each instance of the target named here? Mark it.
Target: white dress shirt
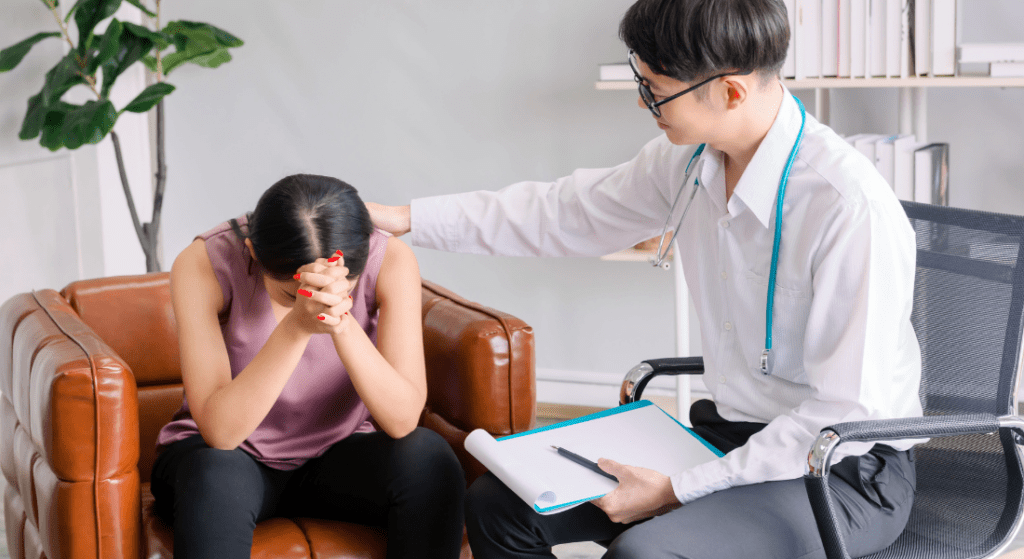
(842, 341)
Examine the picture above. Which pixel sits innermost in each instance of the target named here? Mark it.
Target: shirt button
(727, 326)
(721, 379)
(725, 275)
(725, 224)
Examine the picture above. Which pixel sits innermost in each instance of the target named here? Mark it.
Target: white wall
(406, 99)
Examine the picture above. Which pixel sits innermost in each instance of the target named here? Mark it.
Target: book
(943, 37)
(904, 166)
(616, 72)
(906, 38)
(865, 143)
(893, 23)
(858, 37)
(637, 434)
(922, 37)
(990, 52)
(808, 39)
(876, 60)
(844, 52)
(931, 174)
(1006, 69)
(829, 38)
(789, 66)
(885, 158)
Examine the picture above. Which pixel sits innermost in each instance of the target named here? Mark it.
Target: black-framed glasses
(648, 97)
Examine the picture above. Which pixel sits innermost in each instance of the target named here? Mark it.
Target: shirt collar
(759, 185)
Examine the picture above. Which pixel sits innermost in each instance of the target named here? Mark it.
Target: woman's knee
(424, 460)
(425, 453)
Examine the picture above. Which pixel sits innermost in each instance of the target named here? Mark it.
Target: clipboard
(636, 434)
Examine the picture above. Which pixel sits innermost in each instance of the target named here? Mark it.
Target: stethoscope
(767, 360)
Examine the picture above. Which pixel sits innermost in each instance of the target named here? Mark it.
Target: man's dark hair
(304, 217)
(691, 40)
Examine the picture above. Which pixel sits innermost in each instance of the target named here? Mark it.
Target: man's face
(686, 119)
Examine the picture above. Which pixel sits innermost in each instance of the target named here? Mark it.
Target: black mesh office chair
(968, 311)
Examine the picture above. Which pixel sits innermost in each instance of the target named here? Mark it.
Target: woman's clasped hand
(323, 300)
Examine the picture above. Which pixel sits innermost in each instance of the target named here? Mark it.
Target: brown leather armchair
(90, 375)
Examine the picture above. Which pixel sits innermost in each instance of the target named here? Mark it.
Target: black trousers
(413, 486)
(873, 495)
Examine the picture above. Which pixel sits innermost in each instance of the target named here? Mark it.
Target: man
(835, 345)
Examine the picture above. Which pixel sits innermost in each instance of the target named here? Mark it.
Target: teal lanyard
(767, 363)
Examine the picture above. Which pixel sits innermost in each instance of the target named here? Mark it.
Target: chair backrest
(968, 311)
(133, 315)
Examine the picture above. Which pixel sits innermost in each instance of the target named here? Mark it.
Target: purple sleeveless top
(319, 405)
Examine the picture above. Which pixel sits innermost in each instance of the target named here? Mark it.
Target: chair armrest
(69, 431)
(820, 456)
(480, 371)
(637, 378)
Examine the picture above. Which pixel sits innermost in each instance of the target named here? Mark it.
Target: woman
(297, 324)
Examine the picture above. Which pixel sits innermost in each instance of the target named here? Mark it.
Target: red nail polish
(339, 253)
(296, 276)
(333, 259)
(321, 317)
(306, 293)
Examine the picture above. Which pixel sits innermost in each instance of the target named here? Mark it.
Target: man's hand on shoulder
(396, 220)
(641, 493)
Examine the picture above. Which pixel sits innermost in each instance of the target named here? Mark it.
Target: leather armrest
(69, 422)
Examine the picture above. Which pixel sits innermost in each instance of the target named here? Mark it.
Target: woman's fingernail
(339, 253)
(306, 293)
(333, 259)
(296, 276)
(321, 317)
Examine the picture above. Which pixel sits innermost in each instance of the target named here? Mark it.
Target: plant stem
(139, 230)
(159, 62)
(67, 37)
(161, 180)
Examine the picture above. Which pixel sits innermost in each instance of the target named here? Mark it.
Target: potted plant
(95, 61)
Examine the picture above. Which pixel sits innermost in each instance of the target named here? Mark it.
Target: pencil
(583, 462)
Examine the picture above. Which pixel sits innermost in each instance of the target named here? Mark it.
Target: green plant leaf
(149, 97)
(150, 62)
(51, 136)
(62, 77)
(130, 49)
(142, 7)
(88, 14)
(194, 28)
(108, 46)
(89, 123)
(12, 55)
(160, 39)
(199, 43)
(55, 3)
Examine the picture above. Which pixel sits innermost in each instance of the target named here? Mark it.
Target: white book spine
(789, 66)
(844, 48)
(893, 21)
(876, 38)
(905, 50)
(943, 37)
(616, 72)
(1006, 69)
(922, 37)
(829, 38)
(990, 52)
(808, 39)
(858, 32)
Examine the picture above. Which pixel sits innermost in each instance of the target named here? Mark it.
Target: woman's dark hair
(304, 217)
(691, 40)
